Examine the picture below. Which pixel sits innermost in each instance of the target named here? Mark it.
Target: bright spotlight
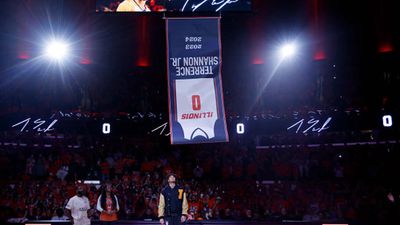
(56, 50)
(288, 50)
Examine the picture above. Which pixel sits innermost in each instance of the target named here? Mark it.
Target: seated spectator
(59, 215)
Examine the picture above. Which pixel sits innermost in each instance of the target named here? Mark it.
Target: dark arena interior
(304, 112)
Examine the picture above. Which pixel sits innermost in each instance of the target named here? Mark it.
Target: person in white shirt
(78, 207)
(133, 6)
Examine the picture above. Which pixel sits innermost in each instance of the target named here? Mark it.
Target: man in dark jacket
(173, 205)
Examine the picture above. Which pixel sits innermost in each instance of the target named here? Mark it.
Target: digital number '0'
(387, 121)
(196, 104)
(106, 128)
(240, 128)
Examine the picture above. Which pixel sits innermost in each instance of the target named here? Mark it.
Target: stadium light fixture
(287, 50)
(57, 50)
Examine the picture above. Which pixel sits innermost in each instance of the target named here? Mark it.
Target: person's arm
(161, 208)
(185, 208)
(185, 205)
(116, 201)
(68, 210)
(98, 206)
(68, 214)
(88, 211)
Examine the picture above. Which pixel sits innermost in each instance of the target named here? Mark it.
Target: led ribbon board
(144, 6)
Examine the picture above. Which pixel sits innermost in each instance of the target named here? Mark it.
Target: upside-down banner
(196, 107)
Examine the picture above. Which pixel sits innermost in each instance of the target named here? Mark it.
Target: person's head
(227, 212)
(108, 188)
(148, 212)
(249, 214)
(79, 191)
(171, 179)
(59, 212)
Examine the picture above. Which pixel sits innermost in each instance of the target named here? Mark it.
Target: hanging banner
(196, 108)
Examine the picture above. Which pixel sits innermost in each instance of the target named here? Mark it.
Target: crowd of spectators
(222, 181)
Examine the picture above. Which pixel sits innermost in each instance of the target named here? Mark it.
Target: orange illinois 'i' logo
(180, 193)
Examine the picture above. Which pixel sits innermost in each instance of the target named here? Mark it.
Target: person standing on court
(78, 207)
(173, 204)
(108, 206)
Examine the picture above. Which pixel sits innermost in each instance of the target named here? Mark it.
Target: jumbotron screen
(141, 6)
